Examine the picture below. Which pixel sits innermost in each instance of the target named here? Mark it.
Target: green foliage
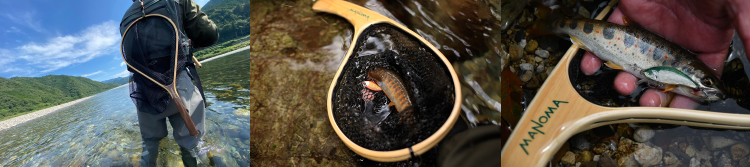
(230, 16)
(20, 95)
(222, 48)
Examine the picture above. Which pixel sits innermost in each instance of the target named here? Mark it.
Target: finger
(683, 102)
(741, 23)
(625, 83)
(590, 63)
(616, 17)
(653, 98)
(714, 61)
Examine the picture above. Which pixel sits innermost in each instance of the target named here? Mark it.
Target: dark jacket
(197, 26)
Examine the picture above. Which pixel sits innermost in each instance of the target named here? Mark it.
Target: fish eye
(707, 81)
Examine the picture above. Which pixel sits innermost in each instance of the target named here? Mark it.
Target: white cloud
(27, 19)
(124, 73)
(63, 51)
(93, 73)
(122, 63)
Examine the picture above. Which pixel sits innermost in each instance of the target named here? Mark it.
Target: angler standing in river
(153, 102)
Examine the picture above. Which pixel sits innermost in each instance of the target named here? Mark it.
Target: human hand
(703, 27)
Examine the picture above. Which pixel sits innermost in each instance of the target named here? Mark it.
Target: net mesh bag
(423, 73)
(151, 51)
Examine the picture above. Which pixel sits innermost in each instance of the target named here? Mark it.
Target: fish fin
(391, 104)
(372, 86)
(579, 43)
(629, 23)
(651, 73)
(613, 65)
(669, 88)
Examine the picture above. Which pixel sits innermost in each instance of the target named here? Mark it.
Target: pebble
(471, 66)
(647, 156)
(526, 67)
(481, 62)
(745, 161)
(739, 151)
(580, 142)
(540, 68)
(695, 162)
(624, 130)
(596, 158)
(583, 12)
(724, 160)
(516, 52)
(628, 161)
(538, 59)
(670, 158)
(704, 154)
(606, 161)
(531, 46)
(643, 134)
(718, 142)
(690, 151)
(569, 158)
(586, 156)
(542, 53)
(526, 76)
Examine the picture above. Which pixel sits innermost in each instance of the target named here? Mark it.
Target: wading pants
(154, 127)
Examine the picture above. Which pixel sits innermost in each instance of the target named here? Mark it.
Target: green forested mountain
(119, 80)
(20, 95)
(230, 16)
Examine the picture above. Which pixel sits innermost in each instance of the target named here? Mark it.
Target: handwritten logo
(360, 13)
(540, 123)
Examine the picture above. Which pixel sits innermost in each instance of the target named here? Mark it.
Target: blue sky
(52, 37)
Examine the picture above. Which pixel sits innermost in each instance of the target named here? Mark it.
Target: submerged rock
(717, 142)
(739, 151)
(670, 158)
(643, 134)
(569, 158)
(647, 156)
(585, 156)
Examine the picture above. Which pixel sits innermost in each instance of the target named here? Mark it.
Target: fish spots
(657, 53)
(618, 38)
(629, 41)
(573, 25)
(588, 27)
(597, 31)
(645, 48)
(608, 33)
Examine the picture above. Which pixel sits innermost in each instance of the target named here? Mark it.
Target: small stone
(481, 62)
(647, 156)
(627, 161)
(670, 158)
(526, 67)
(585, 156)
(540, 68)
(744, 162)
(526, 76)
(596, 158)
(624, 130)
(694, 162)
(690, 151)
(569, 158)
(538, 59)
(542, 53)
(531, 46)
(580, 142)
(583, 12)
(704, 154)
(607, 161)
(578, 164)
(724, 160)
(739, 151)
(643, 134)
(516, 52)
(718, 142)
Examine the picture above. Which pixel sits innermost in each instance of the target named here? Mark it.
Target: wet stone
(670, 158)
(690, 150)
(531, 46)
(717, 142)
(526, 67)
(694, 162)
(607, 161)
(647, 156)
(569, 158)
(585, 156)
(542, 53)
(627, 161)
(526, 76)
(744, 162)
(643, 134)
(516, 52)
(583, 12)
(724, 160)
(540, 68)
(739, 151)
(624, 130)
(471, 66)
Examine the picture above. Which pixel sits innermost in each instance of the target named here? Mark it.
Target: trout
(648, 56)
(395, 89)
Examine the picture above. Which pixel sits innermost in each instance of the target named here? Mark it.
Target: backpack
(154, 38)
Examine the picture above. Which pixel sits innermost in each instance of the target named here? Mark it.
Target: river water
(103, 130)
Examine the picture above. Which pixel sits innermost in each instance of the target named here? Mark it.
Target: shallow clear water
(103, 130)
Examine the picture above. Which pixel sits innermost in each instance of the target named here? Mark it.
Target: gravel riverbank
(9, 123)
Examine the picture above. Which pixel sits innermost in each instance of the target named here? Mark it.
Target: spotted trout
(648, 56)
(395, 89)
